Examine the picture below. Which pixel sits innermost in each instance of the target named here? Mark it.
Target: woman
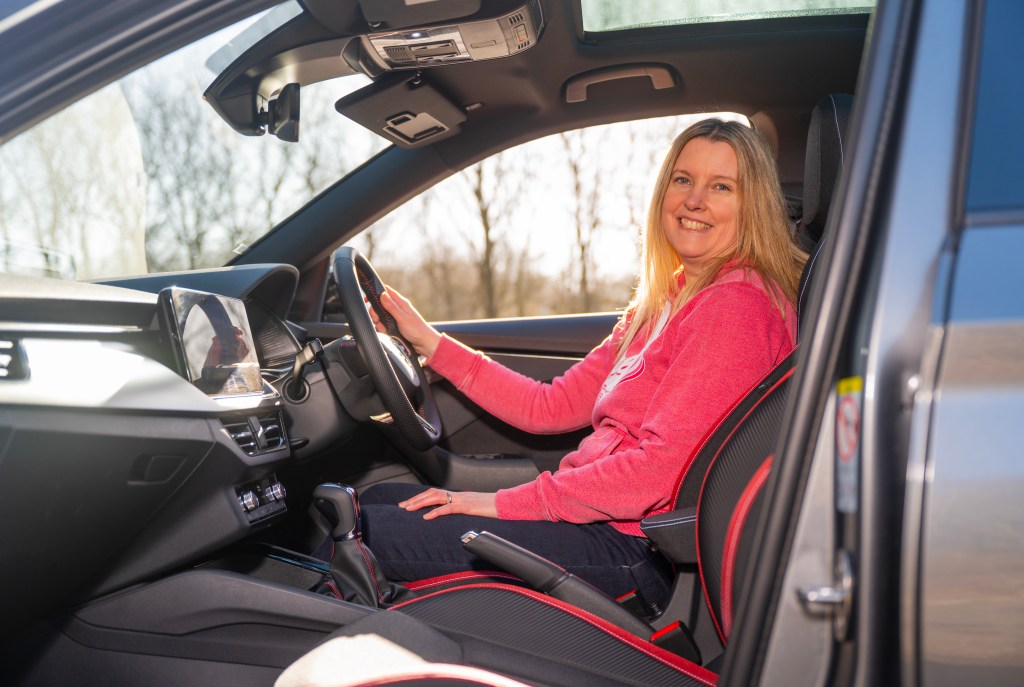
(712, 314)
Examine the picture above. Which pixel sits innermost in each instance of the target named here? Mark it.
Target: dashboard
(118, 460)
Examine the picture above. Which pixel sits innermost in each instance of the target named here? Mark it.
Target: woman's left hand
(449, 502)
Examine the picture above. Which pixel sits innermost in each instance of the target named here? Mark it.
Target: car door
(860, 562)
(965, 480)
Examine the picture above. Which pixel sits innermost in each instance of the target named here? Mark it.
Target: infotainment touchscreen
(214, 336)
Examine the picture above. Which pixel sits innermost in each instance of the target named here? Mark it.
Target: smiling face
(701, 210)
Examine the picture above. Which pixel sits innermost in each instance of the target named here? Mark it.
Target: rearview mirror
(283, 114)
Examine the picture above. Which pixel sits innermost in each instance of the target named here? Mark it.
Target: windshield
(614, 15)
(143, 176)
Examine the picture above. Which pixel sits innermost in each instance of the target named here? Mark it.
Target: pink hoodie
(648, 414)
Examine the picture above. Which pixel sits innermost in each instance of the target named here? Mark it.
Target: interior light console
(454, 43)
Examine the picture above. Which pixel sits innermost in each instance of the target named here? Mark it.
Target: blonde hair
(763, 240)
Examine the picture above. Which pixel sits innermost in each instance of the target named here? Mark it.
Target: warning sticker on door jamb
(850, 392)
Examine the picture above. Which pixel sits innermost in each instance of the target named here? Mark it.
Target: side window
(549, 227)
(997, 152)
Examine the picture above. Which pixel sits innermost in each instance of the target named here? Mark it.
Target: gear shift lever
(353, 566)
(340, 505)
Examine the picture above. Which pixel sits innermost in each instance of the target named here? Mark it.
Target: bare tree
(587, 177)
(71, 196)
(476, 259)
(495, 191)
(527, 285)
(486, 251)
(191, 175)
(375, 237)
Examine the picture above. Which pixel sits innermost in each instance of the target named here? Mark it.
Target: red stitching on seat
(732, 537)
(702, 675)
(704, 442)
(721, 421)
(700, 497)
(456, 577)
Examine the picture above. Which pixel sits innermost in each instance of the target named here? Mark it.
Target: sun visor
(405, 110)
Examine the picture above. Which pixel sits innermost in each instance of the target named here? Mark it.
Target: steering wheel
(390, 360)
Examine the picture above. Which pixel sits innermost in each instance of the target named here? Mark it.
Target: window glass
(613, 15)
(144, 176)
(996, 176)
(546, 228)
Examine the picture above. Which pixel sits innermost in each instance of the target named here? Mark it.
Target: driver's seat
(541, 640)
(518, 632)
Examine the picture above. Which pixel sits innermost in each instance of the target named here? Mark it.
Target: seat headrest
(823, 160)
(823, 163)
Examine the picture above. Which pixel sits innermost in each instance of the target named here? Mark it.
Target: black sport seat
(533, 637)
(724, 500)
(518, 632)
(729, 500)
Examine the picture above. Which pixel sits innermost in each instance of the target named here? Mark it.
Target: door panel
(568, 335)
(542, 348)
(469, 430)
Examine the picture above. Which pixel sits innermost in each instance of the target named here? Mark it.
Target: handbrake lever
(552, 579)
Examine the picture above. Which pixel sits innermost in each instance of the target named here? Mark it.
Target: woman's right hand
(411, 324)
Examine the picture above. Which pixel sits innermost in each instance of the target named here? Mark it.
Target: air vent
(242, 434)
(256, 435)
(517, 18)
(273, 432)
(13, 364)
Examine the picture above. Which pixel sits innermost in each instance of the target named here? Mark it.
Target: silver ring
(449, 495)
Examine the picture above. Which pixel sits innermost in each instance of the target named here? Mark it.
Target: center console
(214, 349)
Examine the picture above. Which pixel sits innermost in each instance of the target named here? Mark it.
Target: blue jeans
(410, 548)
